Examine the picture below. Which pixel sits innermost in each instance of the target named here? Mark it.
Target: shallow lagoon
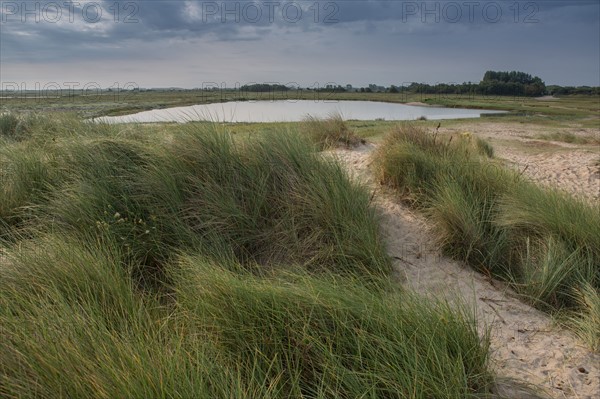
(294, 111)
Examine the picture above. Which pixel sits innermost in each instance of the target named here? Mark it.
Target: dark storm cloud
(147, 18)
(52, 30)
(80, 22)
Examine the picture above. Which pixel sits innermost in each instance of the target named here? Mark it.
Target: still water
(294, 111)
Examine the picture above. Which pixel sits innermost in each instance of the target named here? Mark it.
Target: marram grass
(201, 264)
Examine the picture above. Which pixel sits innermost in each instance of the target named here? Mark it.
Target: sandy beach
(532, 356)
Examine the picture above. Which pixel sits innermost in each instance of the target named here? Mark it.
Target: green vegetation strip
(137, 264)
(544, 242)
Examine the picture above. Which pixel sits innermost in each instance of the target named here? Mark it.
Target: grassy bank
(544, 242)
(571, 138)
(207, 264)
(580, 108)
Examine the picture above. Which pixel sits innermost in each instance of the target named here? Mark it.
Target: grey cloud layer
(145, 29)
(146, 19)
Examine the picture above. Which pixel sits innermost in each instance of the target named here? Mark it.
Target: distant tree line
(498, 83)
(494, 83)
(568, 90)
(264, 88)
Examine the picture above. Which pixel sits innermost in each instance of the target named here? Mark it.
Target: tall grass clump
(588, 319)
(273, 199)
(26, 174)
(563, 241)
(543, 241)
(45, 127)
(309, 337)
(329, 132)
(9, 124)
(74, 325)
(447, 178)
(463, 218)
(484, 147)
(539, 211)
(266, 199)
(36, 163)
(570, 138)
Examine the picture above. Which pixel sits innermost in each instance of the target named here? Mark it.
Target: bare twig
(523, 171)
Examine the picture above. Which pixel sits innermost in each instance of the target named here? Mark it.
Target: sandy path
(525, 345)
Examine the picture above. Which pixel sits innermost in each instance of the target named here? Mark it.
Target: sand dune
(526, 347)
(569, 167)
(572, 171)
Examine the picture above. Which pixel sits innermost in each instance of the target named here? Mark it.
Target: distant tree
(511, 83)
(556, 90)
(264, 87)
(332, 89)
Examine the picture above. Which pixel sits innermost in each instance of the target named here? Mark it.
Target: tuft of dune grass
(330, 132)
(327, 338)
(74, 325)
(588, 320)
(570, 138)
(9, 126)
(267, 199)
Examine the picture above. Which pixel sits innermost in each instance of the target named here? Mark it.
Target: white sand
(526, 347)
(569, 167)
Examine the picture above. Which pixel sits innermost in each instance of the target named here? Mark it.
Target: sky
(190, 44)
